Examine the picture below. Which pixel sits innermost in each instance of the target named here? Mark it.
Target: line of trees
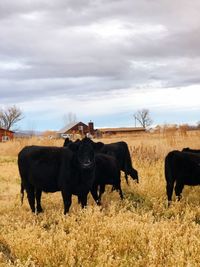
(143, 117)
(11, 115)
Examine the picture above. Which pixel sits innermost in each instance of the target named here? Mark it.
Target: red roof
(6, 130)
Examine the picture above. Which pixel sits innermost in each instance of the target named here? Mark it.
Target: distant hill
(27, 133)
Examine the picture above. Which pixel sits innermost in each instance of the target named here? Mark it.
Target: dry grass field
(138, 231)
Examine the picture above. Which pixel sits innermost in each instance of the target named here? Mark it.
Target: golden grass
(139, 231)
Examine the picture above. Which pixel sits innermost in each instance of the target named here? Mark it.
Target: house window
(80, 127)
(5, 138)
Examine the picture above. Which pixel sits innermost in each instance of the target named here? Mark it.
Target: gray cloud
(84, 49)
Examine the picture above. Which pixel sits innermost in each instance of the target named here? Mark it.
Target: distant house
(121, 131)
(6, 135)
(77, 128)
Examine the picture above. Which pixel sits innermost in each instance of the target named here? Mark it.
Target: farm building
(121, 131)
(6, 135)
(77, 128)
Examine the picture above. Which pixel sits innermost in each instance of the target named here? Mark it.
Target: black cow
(187, 149)
(51, 169)
(182, 168)
(67, 142)
(107, 172)
(120, 151)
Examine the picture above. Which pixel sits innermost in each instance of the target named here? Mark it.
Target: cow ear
(98, 145)
(73, 147)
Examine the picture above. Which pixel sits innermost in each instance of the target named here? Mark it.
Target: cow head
(186, 149)
(134, 175)
(84, 153)
(67, 141)
(97, 146)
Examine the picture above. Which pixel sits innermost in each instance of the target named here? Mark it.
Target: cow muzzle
(87, 165)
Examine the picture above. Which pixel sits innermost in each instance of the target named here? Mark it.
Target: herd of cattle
(86, 166)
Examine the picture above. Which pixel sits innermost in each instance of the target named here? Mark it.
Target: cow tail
(22, 193)
(127, 163)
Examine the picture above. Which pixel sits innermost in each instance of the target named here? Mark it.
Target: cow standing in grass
(107, 172)
(120, 151)
(181, 168)
(51, 169)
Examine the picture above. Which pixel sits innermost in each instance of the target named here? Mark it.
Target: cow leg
(31, 197)
(38, 194)
(114, 187)
(83, 199)
(120, 193)
(22, 193)
(118, 188)
(169, 188)
(95, 195)
(101, 191)
(79, 201)
(126, 177)
(178, 190)
(67, 200)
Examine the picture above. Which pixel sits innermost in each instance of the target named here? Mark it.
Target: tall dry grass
(139, 231)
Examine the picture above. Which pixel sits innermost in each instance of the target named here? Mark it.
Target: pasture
(138, 231)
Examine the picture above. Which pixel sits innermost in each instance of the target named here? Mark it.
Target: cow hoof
(39, 210)
(178, 198)
(169, 203)
(98, 202)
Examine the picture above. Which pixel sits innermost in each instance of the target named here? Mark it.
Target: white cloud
(13, 65)
(122, 55)
(119, 101)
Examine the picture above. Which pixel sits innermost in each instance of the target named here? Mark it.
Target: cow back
(44, 167)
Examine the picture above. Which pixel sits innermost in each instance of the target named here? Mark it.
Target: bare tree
(143, 117)
(10, 116)
(70, 117)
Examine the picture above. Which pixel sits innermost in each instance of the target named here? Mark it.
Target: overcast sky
(101, 60)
